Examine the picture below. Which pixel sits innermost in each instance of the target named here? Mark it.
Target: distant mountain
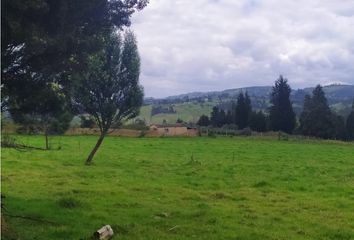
(336, 91)
(190, 106)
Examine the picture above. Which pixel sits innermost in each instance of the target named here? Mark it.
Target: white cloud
(205, 45)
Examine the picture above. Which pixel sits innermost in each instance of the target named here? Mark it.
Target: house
(172, 130)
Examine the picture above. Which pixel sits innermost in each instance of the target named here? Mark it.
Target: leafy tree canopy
(54, 38)
(110, 89)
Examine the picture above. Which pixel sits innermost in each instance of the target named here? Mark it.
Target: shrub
(87, 122)
(142, 133)
(211, 134)
(8, 141)
(28, 129)
(283, 136)
(138, 124)
(244, 132)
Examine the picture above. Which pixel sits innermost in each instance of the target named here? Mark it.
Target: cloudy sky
(206, 45)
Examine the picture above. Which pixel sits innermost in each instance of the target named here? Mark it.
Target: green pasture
(188, 112)
(180, 188)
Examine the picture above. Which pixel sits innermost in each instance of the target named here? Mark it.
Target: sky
(211, 45)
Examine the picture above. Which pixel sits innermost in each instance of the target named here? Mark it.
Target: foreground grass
(182, 188)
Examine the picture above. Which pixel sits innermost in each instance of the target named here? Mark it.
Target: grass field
(188, 112)
(181, 188)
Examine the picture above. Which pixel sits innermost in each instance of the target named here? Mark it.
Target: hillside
(190, 106)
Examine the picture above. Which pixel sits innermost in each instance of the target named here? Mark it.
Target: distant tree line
(316, 119)
(239, 116)
(178, 100)
(340, 98)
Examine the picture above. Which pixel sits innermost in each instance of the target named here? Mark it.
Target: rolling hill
(190, 106)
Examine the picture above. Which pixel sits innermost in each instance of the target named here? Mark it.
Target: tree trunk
(94, 150)
(46, 139)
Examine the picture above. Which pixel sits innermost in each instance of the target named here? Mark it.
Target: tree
(233, 113)
(350, 124)
(60, 124)
(218, 117)
(316, 118)
(258, 121)
(54, 39)
(214, 116)
(50, 33)
(203, 121)
(110, 89)
(179, 120)
(305, 117)
(222, 118)
(229, 117)
(47, 109)
(281, 113)
(339, 130)
(243, 110)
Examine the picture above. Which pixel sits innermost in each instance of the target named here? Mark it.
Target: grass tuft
(261, 184)
(69, 202)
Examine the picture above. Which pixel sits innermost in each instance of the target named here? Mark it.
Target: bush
(8, 141)
(61, 124)
(230, 127)
(244, 132)
(137, 125)
(28, 129)
(211, 134)
(87, 122)
(283, 136)
(142, 133)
